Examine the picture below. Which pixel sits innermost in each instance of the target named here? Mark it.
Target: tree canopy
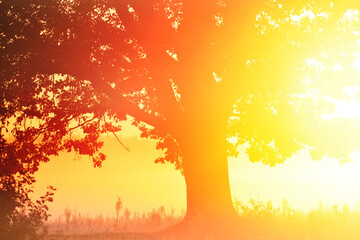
(308, 63)
(71, 65)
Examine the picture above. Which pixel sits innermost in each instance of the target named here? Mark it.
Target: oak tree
(189, 73)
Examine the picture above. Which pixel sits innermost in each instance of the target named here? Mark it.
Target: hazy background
(143, 185)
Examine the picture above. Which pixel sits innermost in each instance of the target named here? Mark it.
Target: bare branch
(127, 149)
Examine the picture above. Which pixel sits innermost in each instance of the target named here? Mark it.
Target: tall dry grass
(264, 221)
(260, 220)
(73, 223)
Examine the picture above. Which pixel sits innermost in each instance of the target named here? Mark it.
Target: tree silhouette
(190, 73)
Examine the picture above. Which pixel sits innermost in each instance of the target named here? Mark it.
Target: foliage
(306, 57)
(20, 216)
(63, 85)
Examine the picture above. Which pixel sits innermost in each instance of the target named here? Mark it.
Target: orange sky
(143, 185)
(133, 176)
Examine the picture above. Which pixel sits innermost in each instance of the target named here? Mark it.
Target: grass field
(260, 220)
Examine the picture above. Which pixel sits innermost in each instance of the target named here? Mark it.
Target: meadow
(260, 220)
(74, 225)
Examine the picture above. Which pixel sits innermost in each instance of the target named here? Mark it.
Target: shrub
(20, 216)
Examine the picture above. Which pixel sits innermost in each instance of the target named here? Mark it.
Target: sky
(144, 186)
(132, 176)
(301, 180)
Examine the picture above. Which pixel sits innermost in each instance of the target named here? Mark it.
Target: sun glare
(329, 95)
(332, 63)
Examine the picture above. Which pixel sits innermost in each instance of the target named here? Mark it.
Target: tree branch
(127, 149)
(154, 32)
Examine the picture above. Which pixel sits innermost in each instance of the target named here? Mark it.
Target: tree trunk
(206, 175)
(203, 143)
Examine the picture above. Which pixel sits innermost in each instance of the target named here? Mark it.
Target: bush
(21, 217)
